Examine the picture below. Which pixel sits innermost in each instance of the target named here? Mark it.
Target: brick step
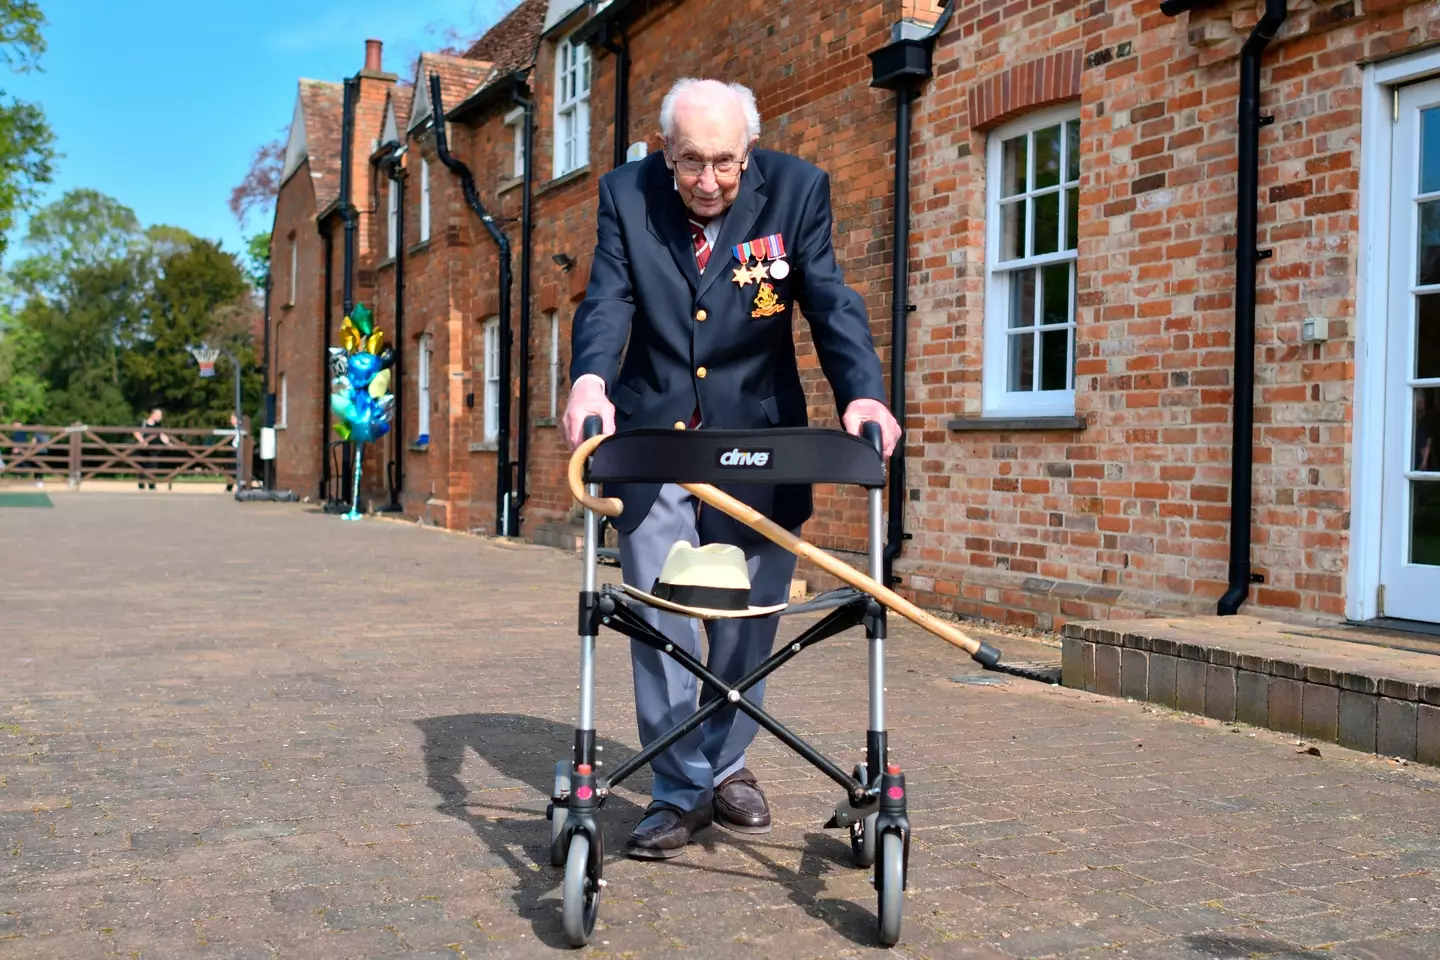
(1338, 684)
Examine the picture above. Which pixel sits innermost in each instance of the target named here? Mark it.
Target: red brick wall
(1130, 513)
(296, 335)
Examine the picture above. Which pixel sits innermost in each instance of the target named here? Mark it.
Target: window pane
(1055, 293)
(1013, 173)
(1012, 230)
(1072, 151)
(1427, 429)
(1022, 299)
(1427, 336)
(1072, 218)
(1429, 252)
(1430, 150)
(1425, 522)
(1022, 362)
(1055, 360)
(1047, 223)
(1047, 157)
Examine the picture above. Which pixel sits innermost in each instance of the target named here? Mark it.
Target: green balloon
(363, 319)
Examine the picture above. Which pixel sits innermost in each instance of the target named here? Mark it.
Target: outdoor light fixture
(564, 261)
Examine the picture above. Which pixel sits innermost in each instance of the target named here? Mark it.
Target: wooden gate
(149, 455)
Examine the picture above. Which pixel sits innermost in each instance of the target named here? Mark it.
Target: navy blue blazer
(646, 291)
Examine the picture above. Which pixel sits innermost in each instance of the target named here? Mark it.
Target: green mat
(25, 500)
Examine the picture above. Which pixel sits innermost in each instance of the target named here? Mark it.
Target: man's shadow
(523, 748)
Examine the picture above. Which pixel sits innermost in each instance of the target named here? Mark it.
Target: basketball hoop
(205, 356)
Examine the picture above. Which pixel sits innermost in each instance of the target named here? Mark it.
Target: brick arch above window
(1037, 83)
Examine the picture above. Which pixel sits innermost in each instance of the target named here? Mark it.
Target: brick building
(1076, 265)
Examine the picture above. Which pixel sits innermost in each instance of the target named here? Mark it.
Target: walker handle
(605, 506)
(870, 430)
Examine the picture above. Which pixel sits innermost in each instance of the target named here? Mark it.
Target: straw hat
(709, 582)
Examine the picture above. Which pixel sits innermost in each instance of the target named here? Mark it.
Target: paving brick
(1134, 673)
(1395, 728)
(1357, 720)
(1252, 698)
(411, 761)
(1220, 692)
(1161, 684)
(1284, 706)
(1320, 709)
(1190, 685)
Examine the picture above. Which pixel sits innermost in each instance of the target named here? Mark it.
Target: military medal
(776, 245)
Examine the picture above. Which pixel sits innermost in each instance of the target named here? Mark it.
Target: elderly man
(703, 251)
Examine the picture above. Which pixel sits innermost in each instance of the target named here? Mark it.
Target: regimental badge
(767, 304)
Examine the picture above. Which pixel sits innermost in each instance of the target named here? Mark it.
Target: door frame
(1372, 319)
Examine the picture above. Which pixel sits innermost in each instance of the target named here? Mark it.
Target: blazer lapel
(668, 223)
(736, 229)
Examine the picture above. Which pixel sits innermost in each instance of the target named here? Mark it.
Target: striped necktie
(702, 245)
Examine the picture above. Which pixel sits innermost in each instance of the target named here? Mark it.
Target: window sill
(288, 305)
(489, 446)
(577, 174)
(546, 422)
(419, 447)
(1015, 424)
(385, 264)
(510, 184)
(420, 247)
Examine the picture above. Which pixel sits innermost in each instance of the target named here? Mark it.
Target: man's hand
(587, 399)
(860, 411)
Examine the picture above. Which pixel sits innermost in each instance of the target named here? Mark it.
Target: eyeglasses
(722, 168)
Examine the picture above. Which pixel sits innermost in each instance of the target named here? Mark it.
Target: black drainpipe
(324, 494)
(1242, 445)
(522, 444)
(903, 65)
(347, 211)
(396, 173)
(504, 507)
(621, 50)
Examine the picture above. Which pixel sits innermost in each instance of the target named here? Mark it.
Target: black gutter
(504, 513)
(347, 211)
(522, 444)
(1242, 437)
(396, 172)
(903, 65)
(621, 50)
(325, 479)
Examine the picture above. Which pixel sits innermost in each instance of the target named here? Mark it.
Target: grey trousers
(665, 693)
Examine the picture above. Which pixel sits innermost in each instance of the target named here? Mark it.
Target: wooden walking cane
(611, 507)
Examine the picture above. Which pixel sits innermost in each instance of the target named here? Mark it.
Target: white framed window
(422, 379)
(424, 199)
(572, 107)
(515, 121)
(492, 379)
(283, 411)
(1031, 205)
(392, 219)
(554, 363)
(294, 268)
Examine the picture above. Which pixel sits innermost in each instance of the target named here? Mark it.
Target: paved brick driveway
(249, 731)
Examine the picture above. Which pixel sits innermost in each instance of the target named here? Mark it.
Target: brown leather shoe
(739, 804)
(665, 831)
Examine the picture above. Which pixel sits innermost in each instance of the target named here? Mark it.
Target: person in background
(152, 437)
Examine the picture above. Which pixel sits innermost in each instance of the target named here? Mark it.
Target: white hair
(744, 97)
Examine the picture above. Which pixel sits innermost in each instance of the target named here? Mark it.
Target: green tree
(198, 295)
(26, 141)
(257, 259)
(83, 227)
(22, 388)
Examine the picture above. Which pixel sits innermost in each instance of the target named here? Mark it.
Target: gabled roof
(397, 113)
(458, 76)
(510, 44)
(315, 136)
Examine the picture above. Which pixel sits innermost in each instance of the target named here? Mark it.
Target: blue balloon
(362, 369)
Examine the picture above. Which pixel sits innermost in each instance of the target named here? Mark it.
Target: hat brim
(703, 613)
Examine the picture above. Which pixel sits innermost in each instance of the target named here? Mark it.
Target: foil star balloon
(361, 370)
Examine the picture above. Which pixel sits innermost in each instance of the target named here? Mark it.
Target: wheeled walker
(873, 808)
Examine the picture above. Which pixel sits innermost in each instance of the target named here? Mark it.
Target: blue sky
(161, 103)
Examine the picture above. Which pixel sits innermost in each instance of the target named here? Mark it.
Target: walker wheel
(559, 813)
(862, 833)
(890, 881)
(580, 896)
